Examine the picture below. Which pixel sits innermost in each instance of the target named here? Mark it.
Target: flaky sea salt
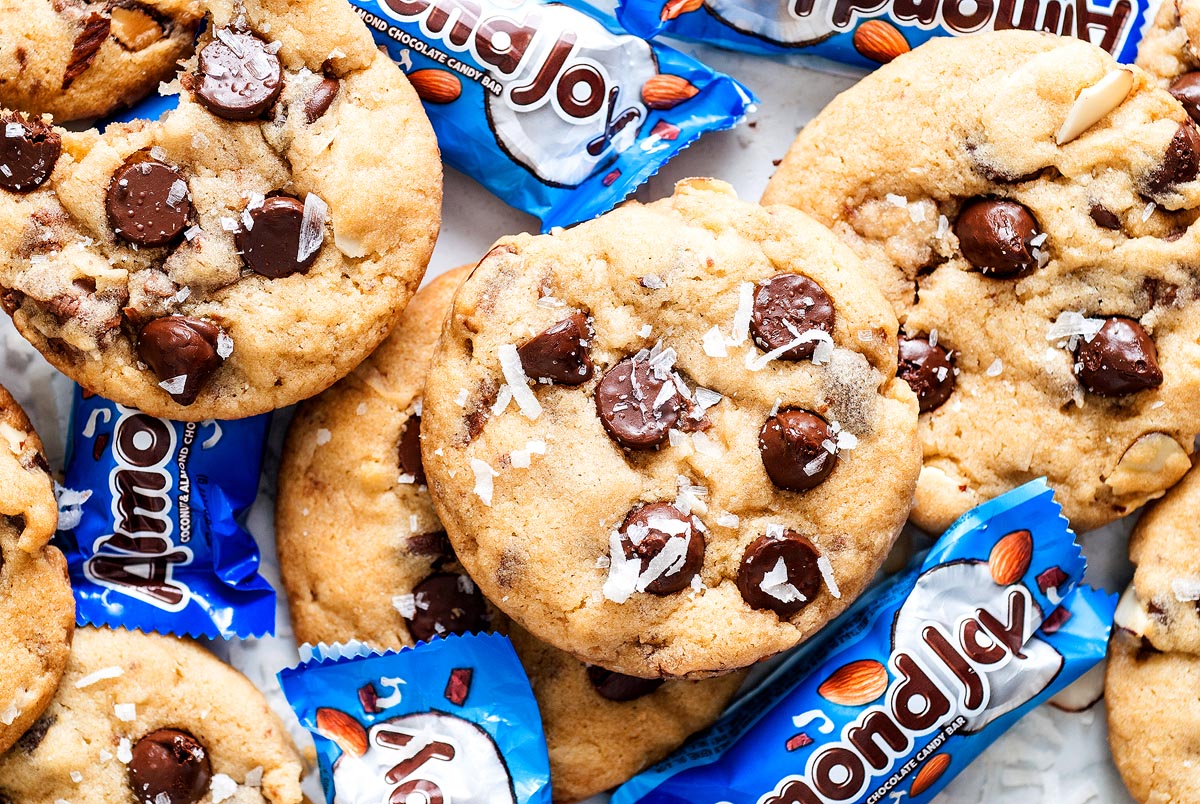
(1186, 589)
(406, 605)
(176, 193)
(549, 302)
(221, 788)
(460, 398)
(174, 385)
(124, 751)
(776, 584)
(897, 200)
(312, 226)
(1070, 326)
(254, 775)
(484, 475)
(76, 776)
(714, 343)
(646, 331)
(1147, 211)
(224, 345)
(521, 458)
(822, 354)
(518, 383)
(728, 520)
(705, 445)
(125, 711)
(653, 282)
(995, 368)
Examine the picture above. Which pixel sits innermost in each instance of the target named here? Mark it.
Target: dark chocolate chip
(559, 353)
(239, 79)
(994, 236)
(1186, 89)
(410, 450)
(320, 99)
(29, 149)
(170, 763)
(446, 603)
(87, 42)
(430, 544)
(271, 245)
(792, 445)
(799, 558)
(1180, 164)
(148, 201)
(1104, 218)
(620, 687)
(33, 736)
(626, 400)
(928, 371)
(646, 531)
(787, 306)
(177, 346)
(1120, 359)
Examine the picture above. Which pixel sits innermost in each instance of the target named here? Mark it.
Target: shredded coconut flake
(406, 605)
(549, 302)
(518, 383)
(623, 572)
(100, 675)
(741, 318)
(676, 438)
(705, 445)
(125, 711)
(221, 788)
(822, 354)
(312, 226)
(775, 583)
(714, 343)
(827, 573)
(483, 480)
(503, 397)
(728, 520)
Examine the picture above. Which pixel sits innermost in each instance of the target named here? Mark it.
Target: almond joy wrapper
(867, 33)
(452, 720)
(915, 679)
(150, 522)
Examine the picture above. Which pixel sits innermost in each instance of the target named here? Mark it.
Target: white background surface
(1050, 756)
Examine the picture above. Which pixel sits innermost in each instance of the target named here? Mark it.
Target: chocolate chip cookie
(82, 59)
(1166, 52)
(228, 259)
(1037, 242)
(37, 610)
(156, 720)
(353, 504)
(670, 441)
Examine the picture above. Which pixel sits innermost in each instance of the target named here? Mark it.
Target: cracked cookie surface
(670, 441)
(353, 456)
(228, 259)
(1038, 244)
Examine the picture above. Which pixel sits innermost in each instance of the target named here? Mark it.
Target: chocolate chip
(648, 529)
(784, 596)
(239, 79)
(320, 99)
(271, 244)
(148, 201)
(169, 763)
(792, 445)
(87, 42)
(446, 604)
(33, 736)
(177, 346)
(430, 544)
(620, 687)
(1120, 359)
(410, 450)
(1186, 89)
(787, 306)
(994, 236)
(1104, 218)
(633, 407)
(927, 370)
(29, 149)
(559, 353)
(1180, 164)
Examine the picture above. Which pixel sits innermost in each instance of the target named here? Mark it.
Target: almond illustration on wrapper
(855, 684)
(1009, 560)
(674, 8)
(879, 40)
(344, 730)
(663, 92)
(436, 86)
(929, 773)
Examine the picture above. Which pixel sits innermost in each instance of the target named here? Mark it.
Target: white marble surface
(1051, 756)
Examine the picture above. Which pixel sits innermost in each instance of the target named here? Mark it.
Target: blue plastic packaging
(915, 680)
(150, 522)
(830, 29)
(452, 720)
(555, 111)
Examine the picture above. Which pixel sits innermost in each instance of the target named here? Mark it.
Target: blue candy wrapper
(866, 33)
(452, 720)
(917, 677)
(150, 522)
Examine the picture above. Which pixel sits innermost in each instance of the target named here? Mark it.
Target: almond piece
(1151, 465)
(1009, 560)
(929, 773)
(436, 86)
(133, 29)
(663, 92)
(1093, 103)
(879, 40)
(674, 8)
(344, 730)
(855, 684)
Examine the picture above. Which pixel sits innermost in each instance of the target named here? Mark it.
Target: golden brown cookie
(1027, 204)
(364, 556)
(143, 716)
(37, 610)
(670, 440)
